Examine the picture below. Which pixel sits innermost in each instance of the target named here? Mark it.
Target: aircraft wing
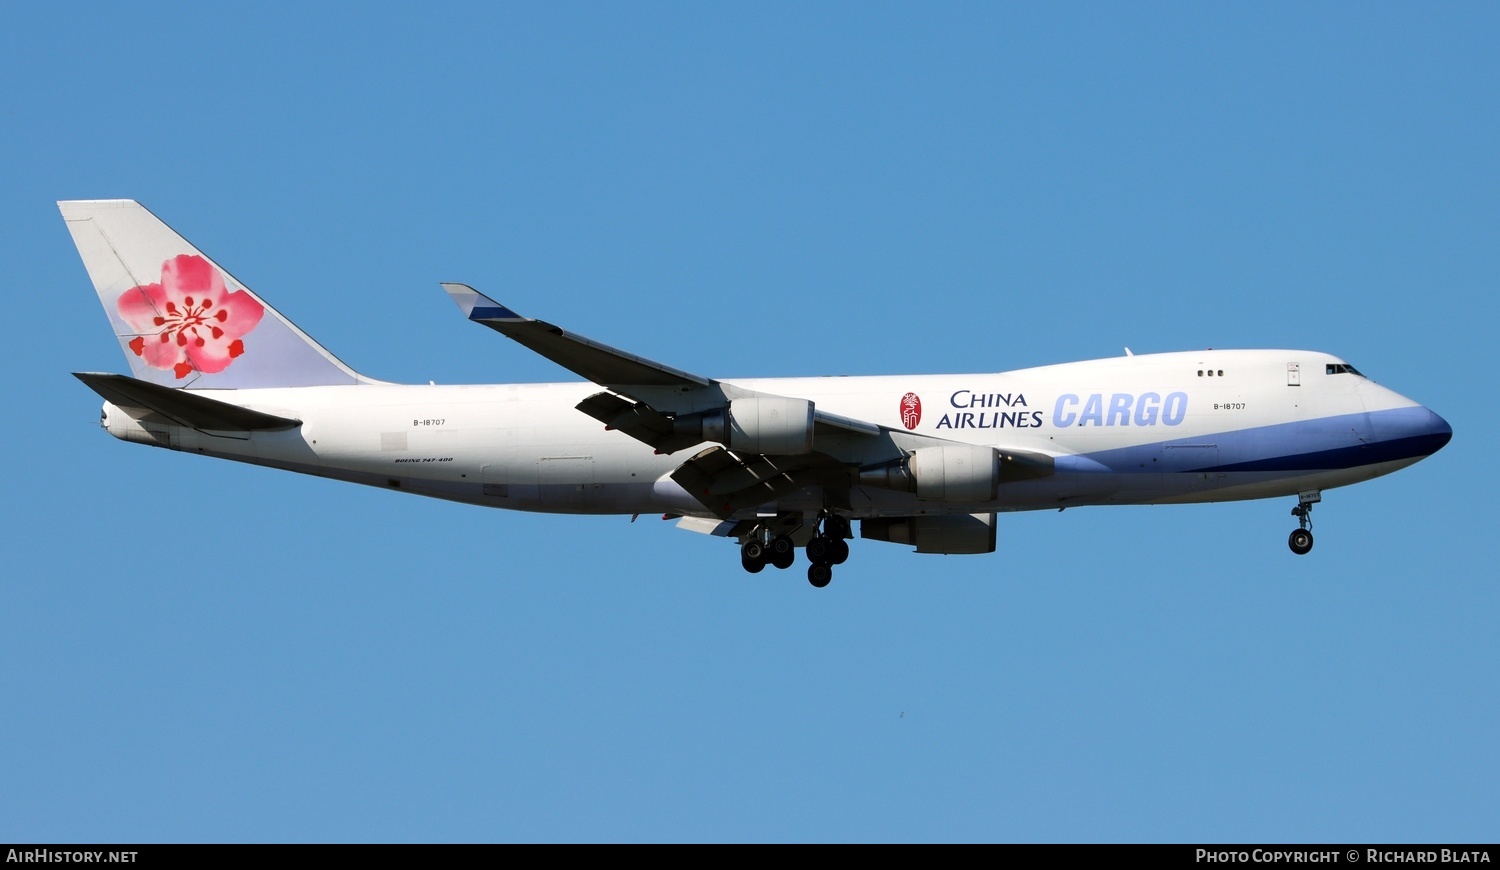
(755, 447)
(671, 410)
(650, 393)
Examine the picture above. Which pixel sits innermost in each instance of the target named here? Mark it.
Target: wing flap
(638, 420)
(705, 526)
(726, 483)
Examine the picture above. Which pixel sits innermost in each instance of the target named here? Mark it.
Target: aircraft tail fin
(181, 319)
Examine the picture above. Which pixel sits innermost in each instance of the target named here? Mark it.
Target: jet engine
(950, 472)
(759, 424)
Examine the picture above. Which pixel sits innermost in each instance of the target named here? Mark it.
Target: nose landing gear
(1301, 539)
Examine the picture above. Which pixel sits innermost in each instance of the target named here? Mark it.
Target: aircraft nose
(1438, 432)
(1412, 432)
(1418, 431)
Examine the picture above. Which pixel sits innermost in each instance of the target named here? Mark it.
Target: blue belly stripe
(1327, 443)
(1343, 457)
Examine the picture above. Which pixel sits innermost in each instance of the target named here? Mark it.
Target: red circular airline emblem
(911, 410)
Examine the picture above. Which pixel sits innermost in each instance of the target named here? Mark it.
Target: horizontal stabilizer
(137, 397)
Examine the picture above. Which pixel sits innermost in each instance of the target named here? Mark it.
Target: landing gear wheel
(754, 556)
(781, 552)
(1301, 540)
(819, 575)
(830, 548)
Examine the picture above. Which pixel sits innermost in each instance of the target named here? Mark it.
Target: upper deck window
(1341, 369)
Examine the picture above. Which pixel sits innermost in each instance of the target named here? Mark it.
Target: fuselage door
(1294, 374)
(495, 480)
(566, 483)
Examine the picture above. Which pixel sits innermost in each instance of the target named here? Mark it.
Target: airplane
(775, 464)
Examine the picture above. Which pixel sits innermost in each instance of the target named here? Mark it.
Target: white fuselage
(1159, 428)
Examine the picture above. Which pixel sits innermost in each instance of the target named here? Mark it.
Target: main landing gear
(1301, 540)
(772, 546)
(763, 548)
(826, 549)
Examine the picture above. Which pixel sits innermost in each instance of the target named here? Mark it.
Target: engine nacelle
(762, 424)
(958, 473)
(950, 473)
(769, 424)
(961, 534)
(955, 472)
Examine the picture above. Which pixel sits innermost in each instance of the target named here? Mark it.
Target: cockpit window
(1341, 369)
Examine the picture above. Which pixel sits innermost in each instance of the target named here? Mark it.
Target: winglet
(477, 306)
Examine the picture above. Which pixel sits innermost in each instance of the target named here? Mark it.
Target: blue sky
(193, 650)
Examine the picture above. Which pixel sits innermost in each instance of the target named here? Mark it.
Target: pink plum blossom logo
(911, 410)
(190, 321)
